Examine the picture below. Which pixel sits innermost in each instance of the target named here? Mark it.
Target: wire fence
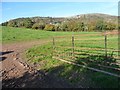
(96, 51)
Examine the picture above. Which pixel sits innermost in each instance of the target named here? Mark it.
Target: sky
(12, 10)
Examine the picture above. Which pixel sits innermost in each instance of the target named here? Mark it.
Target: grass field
(75, 75)
(10, 34)
(83, 41)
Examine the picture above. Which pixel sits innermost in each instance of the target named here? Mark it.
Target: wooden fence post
(53, 46)
(105, 46)
(72, 46)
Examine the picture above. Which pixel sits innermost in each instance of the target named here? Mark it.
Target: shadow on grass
(67, 76)
(100, 62)
(91, 60)
(87, 78)
(62, 76)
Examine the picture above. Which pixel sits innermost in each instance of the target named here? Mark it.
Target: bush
(38, 26)
(49, 27)
(28, 23)
(11, 23)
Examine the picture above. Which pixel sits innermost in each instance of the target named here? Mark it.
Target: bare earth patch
(17, 73)
(14, 65)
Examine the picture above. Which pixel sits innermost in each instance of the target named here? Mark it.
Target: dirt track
(17, 73)
(14, 66)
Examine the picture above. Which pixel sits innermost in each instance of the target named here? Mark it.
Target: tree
(20, 24)
(64, 26)
(57, 27)
(111, 26)
(4, 24)
(91, 26)
(100, 25)
(28, 23)
(38, 26)
(83, 26)
(78, 26)
(49, 27)
(12, 23)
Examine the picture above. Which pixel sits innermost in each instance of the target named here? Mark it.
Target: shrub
(38, 26)
(49, 27)
(28, 23)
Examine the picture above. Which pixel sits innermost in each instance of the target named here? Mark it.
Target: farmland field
(60, 45)
(88, 46)
(11, 35)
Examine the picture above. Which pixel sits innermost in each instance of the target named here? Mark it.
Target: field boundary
(72, 54)
(90, 68)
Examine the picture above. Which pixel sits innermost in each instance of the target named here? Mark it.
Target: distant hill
(96, 16)
(83, 22)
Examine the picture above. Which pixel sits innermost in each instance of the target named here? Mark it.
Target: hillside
(97, 16)
(83, 22)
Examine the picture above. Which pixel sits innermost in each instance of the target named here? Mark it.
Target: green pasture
(11, 34)
(87, 46)
(89, 50)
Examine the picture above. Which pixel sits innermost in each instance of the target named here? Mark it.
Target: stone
(15, 58)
